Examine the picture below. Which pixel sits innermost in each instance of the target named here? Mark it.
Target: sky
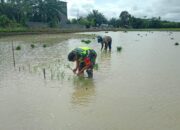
(166, 9)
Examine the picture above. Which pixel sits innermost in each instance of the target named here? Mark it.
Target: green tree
(5, 21)
(137, 22)
(114, 22)
(48, 11)
(97, 18)
(74, 21)
(125, 19)
(155, 23)
(14, 10)
(86, 22)
(2, 1)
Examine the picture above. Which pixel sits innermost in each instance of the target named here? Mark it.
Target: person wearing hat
(85, 58)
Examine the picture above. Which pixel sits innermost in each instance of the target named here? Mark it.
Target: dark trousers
(108, 45)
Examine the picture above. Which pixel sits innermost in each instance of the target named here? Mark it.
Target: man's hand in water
(80, 73)
(74, 70)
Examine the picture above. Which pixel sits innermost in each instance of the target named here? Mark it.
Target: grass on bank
(26, 30)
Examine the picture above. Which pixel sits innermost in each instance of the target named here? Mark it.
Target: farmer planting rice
(85, 58)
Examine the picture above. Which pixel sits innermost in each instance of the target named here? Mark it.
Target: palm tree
(2, 1)
(125, 18)
(46, 11)
(97, 17)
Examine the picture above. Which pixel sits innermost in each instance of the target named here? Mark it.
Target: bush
(53, 23)
(5, 21)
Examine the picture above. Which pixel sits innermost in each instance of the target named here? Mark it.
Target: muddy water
(135, 89)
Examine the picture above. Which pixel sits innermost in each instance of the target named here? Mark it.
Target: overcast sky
(166, 9)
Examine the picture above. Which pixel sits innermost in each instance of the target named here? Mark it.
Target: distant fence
(63, 26)
(72, 26)
(36, 25)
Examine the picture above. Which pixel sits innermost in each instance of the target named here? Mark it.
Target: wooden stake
(44, 72)
(13, 55)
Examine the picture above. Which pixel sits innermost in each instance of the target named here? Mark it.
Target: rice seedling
(32, 46)
(69, 78)
(44, 45)
(96, 66)
(176, 44)
(18, 48)
(62, 75)
(119, 48)
(86, 41)
(69, 67)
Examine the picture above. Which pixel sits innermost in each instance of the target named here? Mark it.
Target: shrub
(5, 21)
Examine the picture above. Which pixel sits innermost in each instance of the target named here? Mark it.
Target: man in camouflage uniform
(85, 60)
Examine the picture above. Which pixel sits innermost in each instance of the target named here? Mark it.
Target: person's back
(107, 39)
(82, 52)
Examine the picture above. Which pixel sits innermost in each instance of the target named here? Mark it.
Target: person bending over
(85, 58)
(105, 41)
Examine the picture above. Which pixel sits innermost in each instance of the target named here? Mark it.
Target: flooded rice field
(135, 89)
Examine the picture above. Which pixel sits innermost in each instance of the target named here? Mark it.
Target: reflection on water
(84, 90)
(104, 65)
(105, 55)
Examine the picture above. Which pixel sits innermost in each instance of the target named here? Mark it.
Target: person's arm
(82, 70)
(88, 64)
(77, 66)
(102, 45)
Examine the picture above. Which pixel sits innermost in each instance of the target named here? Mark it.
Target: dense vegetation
(18, 12)
(15, 13)
(125, 20)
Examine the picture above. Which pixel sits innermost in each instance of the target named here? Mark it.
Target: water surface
(135, 89)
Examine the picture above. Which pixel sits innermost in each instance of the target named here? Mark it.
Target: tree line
(15, 13)
(18, 12)
(125, 20)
